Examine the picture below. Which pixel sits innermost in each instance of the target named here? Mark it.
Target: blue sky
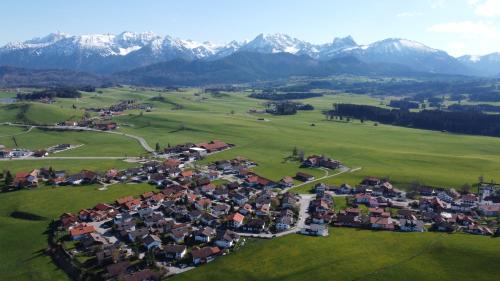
(456, 26)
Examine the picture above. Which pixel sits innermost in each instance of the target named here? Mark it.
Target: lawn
(349, 254)
(23, 241)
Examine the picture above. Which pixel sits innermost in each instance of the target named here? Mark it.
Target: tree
(466, 188)
(301, 155)
(8, 178)
(294, 152)
(157, 147)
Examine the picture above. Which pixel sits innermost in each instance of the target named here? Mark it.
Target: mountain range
(109, 53)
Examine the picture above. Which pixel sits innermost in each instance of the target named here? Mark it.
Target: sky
(456, 26)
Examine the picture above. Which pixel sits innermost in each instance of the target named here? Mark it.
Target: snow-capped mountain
(107, 53)
(406, 52)
(280, 43)
(486, 65)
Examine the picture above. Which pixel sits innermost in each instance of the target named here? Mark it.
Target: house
(284, 223)
(362, 198)
(226, 239)
(173, 251)
(213, 146)
(371, 181)
(132, 205)
(138, 234)
(208, 219)
(179, 233)
(382, 223)
(204, 255)
(315, 230)
(407, 225)
(203, 204)
(320, 161)
(68, 219)
(264, 210)
(489, 210)
(93, 240)
(246, 209)
(220, 209)
(117, 269)
(304, 177)
(198, 151)
(286, 182)
(469, 199)
(79, 231)
(151, 241)
(235, 220)
(255, 226)
(479, 230)
(322, 217)
(26, 179)
(289, 200)
(239, 199)
(204, 235)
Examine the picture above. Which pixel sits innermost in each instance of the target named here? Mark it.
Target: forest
(465, 122)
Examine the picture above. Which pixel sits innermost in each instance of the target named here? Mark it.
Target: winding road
(140, 140)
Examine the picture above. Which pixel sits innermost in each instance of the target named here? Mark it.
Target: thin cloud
(488, 8)
(409, 14)
(466, 27)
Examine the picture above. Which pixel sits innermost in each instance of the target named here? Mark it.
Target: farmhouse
(304, 177)
(213, 146)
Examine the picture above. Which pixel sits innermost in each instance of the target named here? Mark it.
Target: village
(202, 212)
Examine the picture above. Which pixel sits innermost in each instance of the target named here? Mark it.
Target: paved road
(141, 140)
(327, 175)
(132, 159)
(305, 199)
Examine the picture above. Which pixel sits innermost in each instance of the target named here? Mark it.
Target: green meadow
(402, 154)
(350, 254)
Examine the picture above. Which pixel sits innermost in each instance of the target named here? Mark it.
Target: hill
(13, 77)
(244, 67)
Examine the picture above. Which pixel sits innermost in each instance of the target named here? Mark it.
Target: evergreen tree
(8, 178)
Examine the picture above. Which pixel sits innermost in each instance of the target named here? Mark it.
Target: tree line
(467, 122)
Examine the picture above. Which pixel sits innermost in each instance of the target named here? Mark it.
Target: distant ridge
(110, 53)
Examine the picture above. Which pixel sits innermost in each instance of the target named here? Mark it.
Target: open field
(23, 241)
(94, 143)
(402, 154)
(349, 254)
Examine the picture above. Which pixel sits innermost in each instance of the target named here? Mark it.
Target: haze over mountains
(136, 52)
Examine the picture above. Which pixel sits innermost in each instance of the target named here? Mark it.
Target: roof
(124, 200)
(236, 217)
(205, 252)
(213, 145)
(81, 229)
(174, 248)
(304, 175)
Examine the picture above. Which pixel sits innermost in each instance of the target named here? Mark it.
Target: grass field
(349, 254)
(94, 143)
(22, 242)
(402, 154)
